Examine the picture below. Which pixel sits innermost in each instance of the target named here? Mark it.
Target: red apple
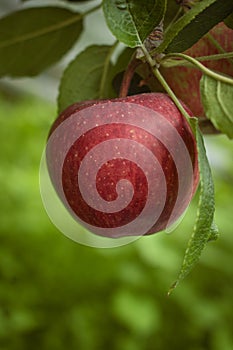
(185, 81)
(126, 166)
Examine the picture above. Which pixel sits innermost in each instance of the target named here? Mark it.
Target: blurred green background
(56, 294)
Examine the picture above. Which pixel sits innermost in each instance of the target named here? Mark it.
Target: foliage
(56, 294)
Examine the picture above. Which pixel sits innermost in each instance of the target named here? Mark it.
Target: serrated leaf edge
(209, 225)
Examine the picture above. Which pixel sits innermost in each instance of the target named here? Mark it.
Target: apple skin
(185, 81)
(116, 169)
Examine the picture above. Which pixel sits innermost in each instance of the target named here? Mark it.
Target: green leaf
(229, 21)
(85, 78)
(204, 229)
(172, 10)
(218, 103)
(131, 21)
(194, 24)
(33, 39)
(123, 60)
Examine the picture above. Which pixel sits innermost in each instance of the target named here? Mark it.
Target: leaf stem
(165, 85)
(166, 62)
(204, 69)
(167, 88)
(148, 57)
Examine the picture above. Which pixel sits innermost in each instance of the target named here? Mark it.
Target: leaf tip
(172, 288)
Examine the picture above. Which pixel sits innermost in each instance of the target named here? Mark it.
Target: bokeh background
(56, 294)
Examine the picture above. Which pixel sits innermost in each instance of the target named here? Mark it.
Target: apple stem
(128, 75)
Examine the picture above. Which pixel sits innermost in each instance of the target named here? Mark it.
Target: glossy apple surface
(125, 166)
